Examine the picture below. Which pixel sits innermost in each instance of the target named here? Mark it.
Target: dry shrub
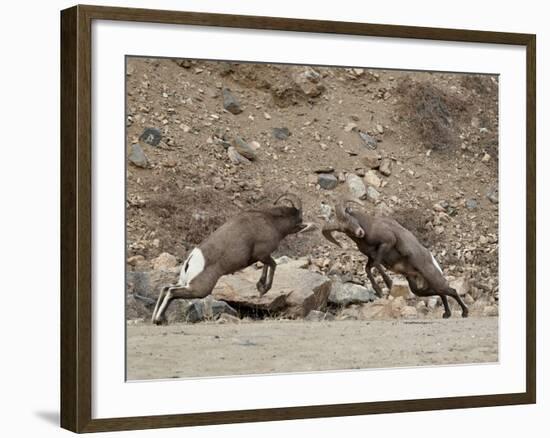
(415, 219)
(431, 112)
(185, 218)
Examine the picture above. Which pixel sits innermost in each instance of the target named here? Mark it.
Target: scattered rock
(344, 294)
(369, 142)
(471, 204)
(492, 195)
(372, 194)
(486, 158)
(385, 167)
(380, 129)
(151, 136)
(356, 186)
(164, 262)
(372, 179)
(308, 82)
(327, 181)
(371, 160)
(235, 157)
(135, 260)
(137, 157)
(281, 133)
(244, 149)
(324, 169)
(400, 288)
(230, 102)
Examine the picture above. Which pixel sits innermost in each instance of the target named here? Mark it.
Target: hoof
(446, 315)
(159, 321)
(261, 287)
(465, 313)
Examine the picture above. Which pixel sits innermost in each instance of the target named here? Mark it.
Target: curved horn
(340, 207)
(327, 233)
(292, 198)
(353, 201)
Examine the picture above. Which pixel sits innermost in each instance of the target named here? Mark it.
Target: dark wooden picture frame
(76, 218)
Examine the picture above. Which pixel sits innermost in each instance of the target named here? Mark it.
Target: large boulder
(295, 291)
(164, 261)
(344, 294)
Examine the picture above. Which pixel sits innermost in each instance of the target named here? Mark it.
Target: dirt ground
(211, 349)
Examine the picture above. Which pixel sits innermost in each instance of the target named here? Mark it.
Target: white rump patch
(192, 267)
(436, 264)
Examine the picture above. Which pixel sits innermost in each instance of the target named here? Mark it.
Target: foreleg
(268, 271)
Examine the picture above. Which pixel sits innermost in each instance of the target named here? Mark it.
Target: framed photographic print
(269, 218)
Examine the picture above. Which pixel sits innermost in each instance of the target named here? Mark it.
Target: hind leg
(443, 294)
(447, 313)
(159, 301)
(428, 292)
(376, 287)
(453, 293)
(177, 292)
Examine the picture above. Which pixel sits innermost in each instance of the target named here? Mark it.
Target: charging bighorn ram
(243, 240)
(386, 243)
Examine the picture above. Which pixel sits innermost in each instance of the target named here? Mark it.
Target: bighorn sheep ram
(386, 243)
(243, 240)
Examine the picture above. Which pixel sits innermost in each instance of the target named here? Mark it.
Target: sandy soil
(210, 349)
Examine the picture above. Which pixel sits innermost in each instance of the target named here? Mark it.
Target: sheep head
(345, 222)
(297, 226)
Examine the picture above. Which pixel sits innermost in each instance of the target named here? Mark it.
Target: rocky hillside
(206, 140)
